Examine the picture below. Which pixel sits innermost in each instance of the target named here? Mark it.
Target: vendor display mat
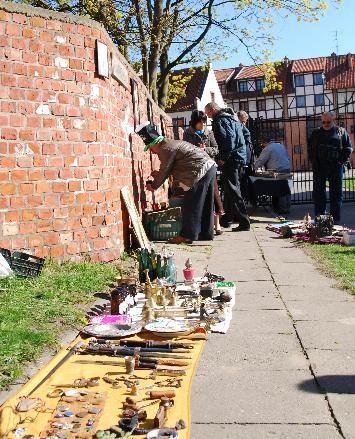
(35, 421)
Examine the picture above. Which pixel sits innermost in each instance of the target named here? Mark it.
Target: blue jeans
(334, 174)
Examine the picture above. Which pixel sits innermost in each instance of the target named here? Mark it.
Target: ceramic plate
(169, 327)
(112, 330)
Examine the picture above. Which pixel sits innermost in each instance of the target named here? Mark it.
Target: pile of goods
(129, 372)
(321, 231)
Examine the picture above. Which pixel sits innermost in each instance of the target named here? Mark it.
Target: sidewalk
(285, 369)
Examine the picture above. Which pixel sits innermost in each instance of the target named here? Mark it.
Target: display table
(261, 187)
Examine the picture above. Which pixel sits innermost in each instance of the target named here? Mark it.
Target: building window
(213, 97)
(299, 80)
(319, 100)
(259, 84)
(297, 149)
(300, 101)
(318, 79)
(244, 106)
(243, 86)
(261, 105)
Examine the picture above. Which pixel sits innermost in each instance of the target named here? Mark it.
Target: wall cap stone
(33, 11)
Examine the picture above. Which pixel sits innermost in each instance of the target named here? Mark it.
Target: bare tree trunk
(155, 47)
(163, 83)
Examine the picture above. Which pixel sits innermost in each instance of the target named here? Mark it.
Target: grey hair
(242, 113)
(212, 106)
(329, 113)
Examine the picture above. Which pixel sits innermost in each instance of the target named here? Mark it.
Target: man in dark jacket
(194, 171)
(329, 150)
(231, 157)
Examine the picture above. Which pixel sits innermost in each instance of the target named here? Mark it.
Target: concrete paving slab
(331, 362)
(257, 397)
(328, 335)
(344, 409)
(263, 431)
(329, 311)
(248, 350)
(303, 275)
(263, 301)
(313, 294)
(285, 254)
(261, 322)
(256, 287)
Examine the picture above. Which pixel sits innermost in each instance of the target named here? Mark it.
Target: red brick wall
(66, 142)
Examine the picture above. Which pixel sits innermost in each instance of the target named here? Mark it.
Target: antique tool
(157, 394)
(150, 343)
(82, 382)
(130, 351)
(143, 355)
(71, 351)
(169, 373)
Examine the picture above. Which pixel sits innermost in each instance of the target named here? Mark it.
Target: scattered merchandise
(320, 231)
(131, 374)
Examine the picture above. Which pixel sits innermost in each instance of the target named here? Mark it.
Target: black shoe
(225, 224)
(205, 238)
(241, 229)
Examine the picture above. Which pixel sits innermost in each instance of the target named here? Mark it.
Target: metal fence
(294, 133)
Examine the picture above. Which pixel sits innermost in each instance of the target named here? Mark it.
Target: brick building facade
(67, 141)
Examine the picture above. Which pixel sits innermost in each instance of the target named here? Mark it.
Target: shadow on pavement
(331, 384)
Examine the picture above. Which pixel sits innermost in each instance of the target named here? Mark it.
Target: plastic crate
(164, 230)
(26, 265)
(7, 254)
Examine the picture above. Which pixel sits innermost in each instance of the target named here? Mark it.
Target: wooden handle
(156, 394)
(173, 362)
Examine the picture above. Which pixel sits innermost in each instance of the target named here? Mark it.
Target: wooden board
(135, 218)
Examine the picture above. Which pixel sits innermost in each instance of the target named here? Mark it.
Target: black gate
(294, 133)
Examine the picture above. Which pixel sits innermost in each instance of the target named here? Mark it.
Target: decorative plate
(168, 327)
(104, 330)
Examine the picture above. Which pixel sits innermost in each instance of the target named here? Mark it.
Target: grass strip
(337, 261)
(34, 312)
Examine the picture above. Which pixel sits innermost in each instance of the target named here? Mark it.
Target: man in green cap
(193, 171)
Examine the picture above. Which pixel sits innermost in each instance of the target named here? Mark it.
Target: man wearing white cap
(193, 171)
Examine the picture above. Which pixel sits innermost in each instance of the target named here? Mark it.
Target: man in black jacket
(231, 158)
(329, 150)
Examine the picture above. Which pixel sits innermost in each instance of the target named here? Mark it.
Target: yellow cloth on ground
(36, 421)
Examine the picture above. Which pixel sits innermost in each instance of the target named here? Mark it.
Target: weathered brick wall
(67, 141)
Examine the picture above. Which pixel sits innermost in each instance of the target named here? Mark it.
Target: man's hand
(149, 187)
(220, 162)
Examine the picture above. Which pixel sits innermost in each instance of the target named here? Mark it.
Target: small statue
(203, 312)
(135, 388)
(174, 298)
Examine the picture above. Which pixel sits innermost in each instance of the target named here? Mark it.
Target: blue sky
(305, 40)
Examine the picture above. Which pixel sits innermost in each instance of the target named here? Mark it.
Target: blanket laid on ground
(17, 425)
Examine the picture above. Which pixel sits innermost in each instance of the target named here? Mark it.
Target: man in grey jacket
(194, 171)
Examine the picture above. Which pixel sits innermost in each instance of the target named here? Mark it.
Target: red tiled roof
(223, 74)
(308, 65)
(249, 72)
(194, 88)
(253, 72)
(340, 71)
